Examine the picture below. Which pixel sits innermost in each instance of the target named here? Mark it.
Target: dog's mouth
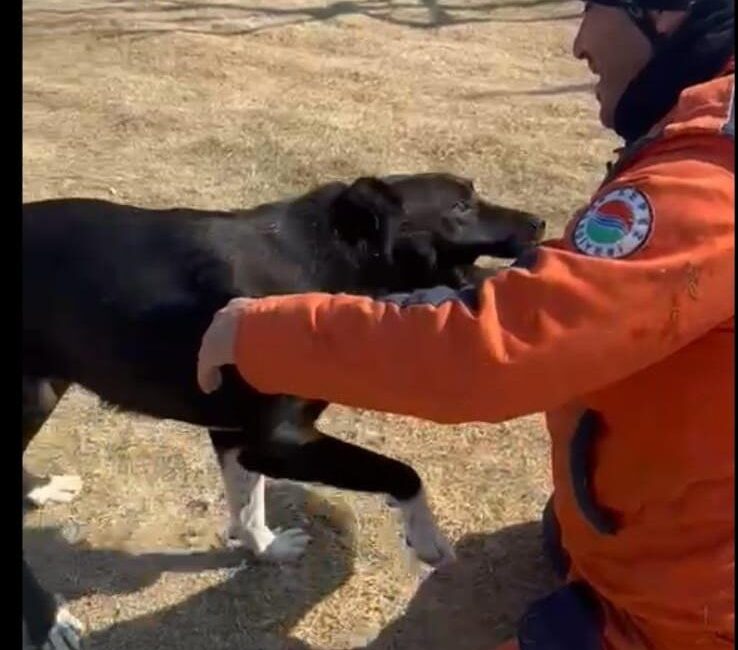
(465, 255)
(538, 237)
(514, 246)
(488, 260)
(520, 244)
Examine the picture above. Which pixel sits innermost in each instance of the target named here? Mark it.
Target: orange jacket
(622, 331)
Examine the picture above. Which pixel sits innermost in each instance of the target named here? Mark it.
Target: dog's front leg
(277, 545)
(245, 498)
(302, 453)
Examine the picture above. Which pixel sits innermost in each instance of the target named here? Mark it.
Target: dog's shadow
(252, 605)
(472, 604)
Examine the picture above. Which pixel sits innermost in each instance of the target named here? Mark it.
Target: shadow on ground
(131, 17)
(254, 605)
(480, 597)
(587, 88)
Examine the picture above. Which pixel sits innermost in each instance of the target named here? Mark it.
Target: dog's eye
(462, 206)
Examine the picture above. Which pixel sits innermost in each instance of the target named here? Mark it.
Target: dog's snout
(539, 227)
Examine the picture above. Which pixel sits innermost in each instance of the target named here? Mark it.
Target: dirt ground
(226, 104)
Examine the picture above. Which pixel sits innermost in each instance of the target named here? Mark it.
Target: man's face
(615, 49)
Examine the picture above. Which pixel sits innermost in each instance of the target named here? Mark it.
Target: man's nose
(577, 48)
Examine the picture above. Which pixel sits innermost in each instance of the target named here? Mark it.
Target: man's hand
(217, 345)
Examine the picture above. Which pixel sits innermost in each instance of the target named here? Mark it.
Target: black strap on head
(638, 10)
(642, 18)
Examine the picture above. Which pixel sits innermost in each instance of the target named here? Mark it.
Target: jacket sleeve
(528, 339)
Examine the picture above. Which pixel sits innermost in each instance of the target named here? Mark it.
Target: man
(621, 331)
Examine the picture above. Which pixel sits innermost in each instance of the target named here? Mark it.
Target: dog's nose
(539, 227)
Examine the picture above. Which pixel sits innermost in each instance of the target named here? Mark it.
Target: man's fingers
(209, 378)
(238, 303)
(216, 348)
(211, 353)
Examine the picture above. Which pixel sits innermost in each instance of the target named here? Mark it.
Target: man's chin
(607, 115)
(607, 111)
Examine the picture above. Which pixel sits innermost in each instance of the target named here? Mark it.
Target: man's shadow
(254, 605)
(475, 603)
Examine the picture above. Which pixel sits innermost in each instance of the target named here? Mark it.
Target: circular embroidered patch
(615, 225)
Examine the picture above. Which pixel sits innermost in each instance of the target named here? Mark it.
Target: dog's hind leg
(47, 625)
(40, 397)
(302, 453)
(244, 494)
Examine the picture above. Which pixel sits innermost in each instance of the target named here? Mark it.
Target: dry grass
(225, 105)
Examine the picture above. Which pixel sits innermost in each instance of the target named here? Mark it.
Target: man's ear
(366, 211)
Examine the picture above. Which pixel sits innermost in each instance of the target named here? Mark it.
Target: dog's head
(427, 229)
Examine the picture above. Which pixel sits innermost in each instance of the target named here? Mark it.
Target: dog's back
(116, 298)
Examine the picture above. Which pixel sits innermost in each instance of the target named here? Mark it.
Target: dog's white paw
(265, 544)
(422, 534)
(430, 546)
(66, 633)
(288, 545)
(231, 535)
(59, 489)
(281, 546)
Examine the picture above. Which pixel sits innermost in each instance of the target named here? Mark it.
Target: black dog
(116, 299)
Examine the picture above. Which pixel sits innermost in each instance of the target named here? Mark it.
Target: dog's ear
(417, 263)
(415, 253)
(366, 211)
